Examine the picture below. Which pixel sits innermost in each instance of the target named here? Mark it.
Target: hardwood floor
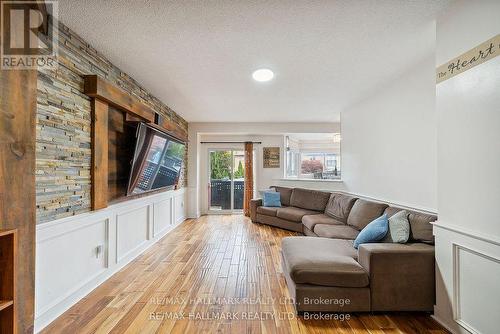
(173, 288)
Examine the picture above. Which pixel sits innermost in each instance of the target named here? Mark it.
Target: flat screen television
(157, 161)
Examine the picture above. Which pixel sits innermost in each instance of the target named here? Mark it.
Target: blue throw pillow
(271, 199)
(373, 232)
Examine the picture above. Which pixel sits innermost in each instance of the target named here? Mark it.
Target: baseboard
(444, 324)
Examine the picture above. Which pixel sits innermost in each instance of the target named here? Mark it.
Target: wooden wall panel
(99, 154)
(120, 154)
(171, 128)
(17, 180)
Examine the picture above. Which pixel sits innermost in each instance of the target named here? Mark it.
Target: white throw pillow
(399, 228)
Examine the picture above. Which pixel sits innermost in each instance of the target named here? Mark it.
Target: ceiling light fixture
(263, 75)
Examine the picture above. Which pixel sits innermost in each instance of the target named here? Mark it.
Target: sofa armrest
(401, 275)
(254, 204)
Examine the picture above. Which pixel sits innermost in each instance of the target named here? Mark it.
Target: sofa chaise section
(381, 277)
(323, 275)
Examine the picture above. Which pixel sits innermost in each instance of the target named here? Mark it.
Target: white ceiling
(198, 56)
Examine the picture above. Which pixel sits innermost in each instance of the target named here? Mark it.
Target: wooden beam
(131, 118)
(172, 129)
(44, 28)
(99, 154)
(17, 181)
(176, 134)
(100, 89)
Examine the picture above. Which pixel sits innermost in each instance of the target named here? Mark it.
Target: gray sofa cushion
(336, 231)
(391, 211)
(310, 221)
(268, 211)
(421, 227)
(339, 206)
(309, 199)
(321, 261)
(281, 223)
(285, 194)
(293, 214)
(363, 212)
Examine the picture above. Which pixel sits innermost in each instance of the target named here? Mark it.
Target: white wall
(389, 141)
(67, 264)
(468, 232)
(469, 121)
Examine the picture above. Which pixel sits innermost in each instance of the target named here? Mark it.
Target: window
(292, 164)
(313, 156)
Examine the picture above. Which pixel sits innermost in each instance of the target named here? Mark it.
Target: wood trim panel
(100, 89)
(131, 118)
(176, 134)
(99, 154)
(18, 90)
(42, 7)
(170, 127)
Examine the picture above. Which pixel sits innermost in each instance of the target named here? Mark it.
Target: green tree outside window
(220, 163)
(240, 172)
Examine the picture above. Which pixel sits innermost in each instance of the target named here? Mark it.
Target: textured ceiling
(198, 56)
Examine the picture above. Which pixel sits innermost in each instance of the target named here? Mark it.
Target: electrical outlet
(98, 251)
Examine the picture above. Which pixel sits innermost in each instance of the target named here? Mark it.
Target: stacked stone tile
(63, 153)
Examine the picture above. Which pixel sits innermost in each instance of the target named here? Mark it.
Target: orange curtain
(248, 193)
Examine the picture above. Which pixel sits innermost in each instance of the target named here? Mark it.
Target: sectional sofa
(324, 272)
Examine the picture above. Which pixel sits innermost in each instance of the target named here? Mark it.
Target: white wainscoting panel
(81, 263)
(132, 231)
(467, 280)
(162, 212)
(476, 279)
(74, 255)
(180, 209)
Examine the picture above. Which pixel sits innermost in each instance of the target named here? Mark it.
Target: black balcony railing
(220, 194)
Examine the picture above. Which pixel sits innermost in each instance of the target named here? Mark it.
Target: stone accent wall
(63, 126)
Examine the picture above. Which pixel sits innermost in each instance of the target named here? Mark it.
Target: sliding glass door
(226, 180)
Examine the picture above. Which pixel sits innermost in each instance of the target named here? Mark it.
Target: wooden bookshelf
(8, 256)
